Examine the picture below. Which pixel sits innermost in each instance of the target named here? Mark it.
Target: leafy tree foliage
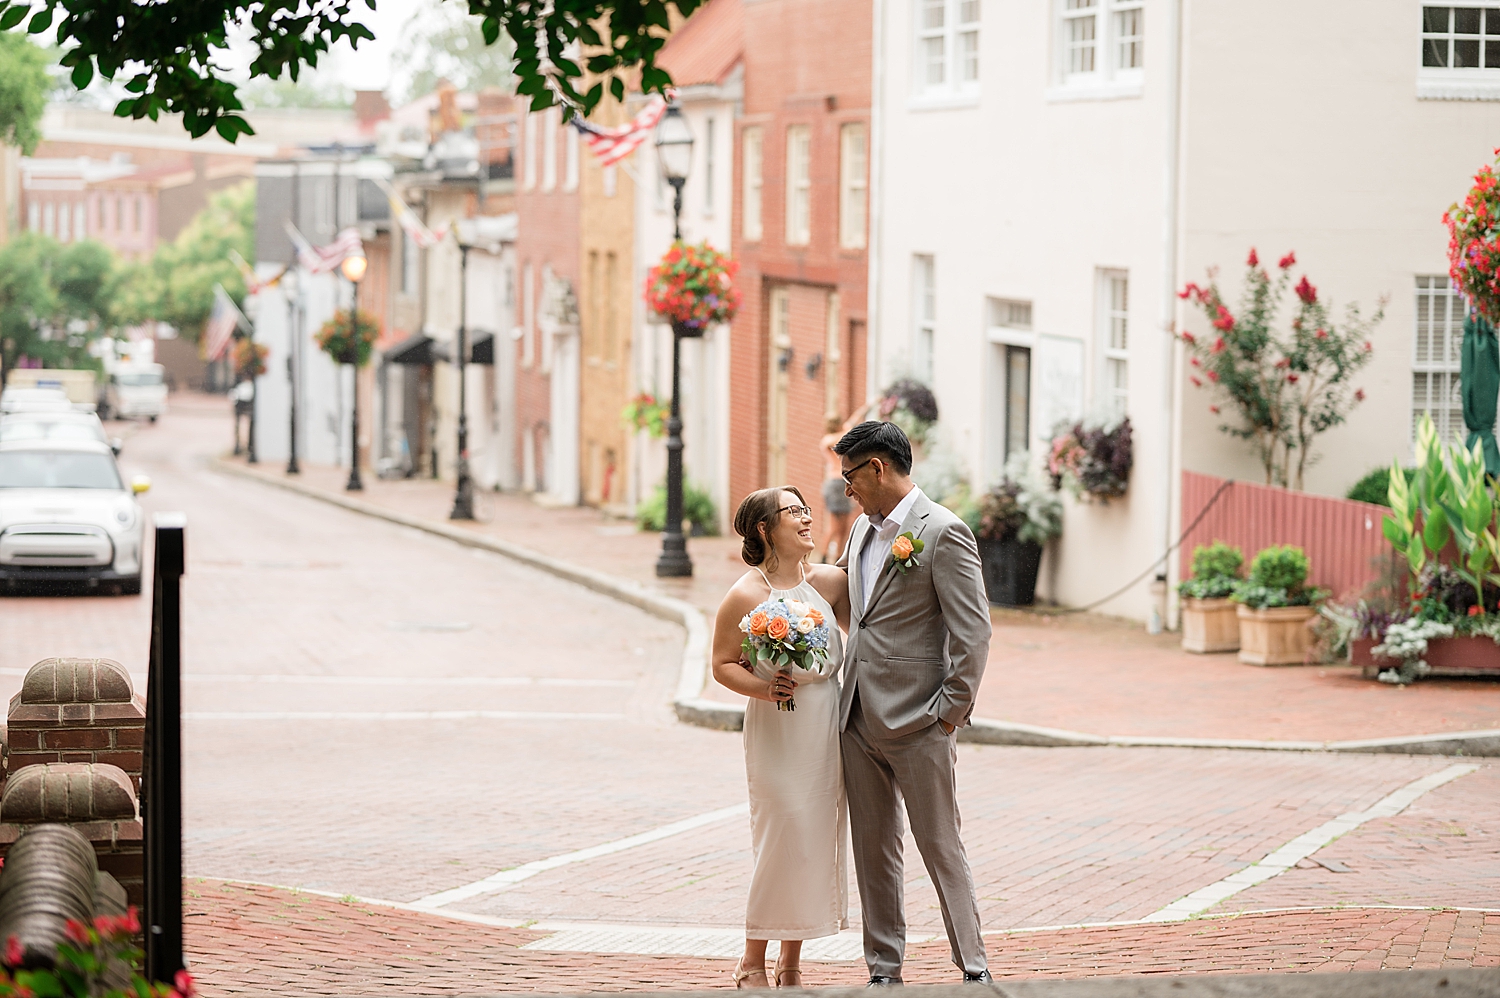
(442, 42)
(24, 85)
(52, 301)
(165, 50)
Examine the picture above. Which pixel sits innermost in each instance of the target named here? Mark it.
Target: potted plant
(693, 286)
(1092, 459)
(1016, 518)
(346, 341)
(910, 405)
(1210, 621)
(1275, 606)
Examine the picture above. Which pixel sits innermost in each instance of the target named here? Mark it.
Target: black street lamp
(289, 289)
(463, 496)
(353, 268)
(674, 155)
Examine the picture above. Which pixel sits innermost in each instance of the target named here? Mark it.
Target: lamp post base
(674, 562)
(463, 497)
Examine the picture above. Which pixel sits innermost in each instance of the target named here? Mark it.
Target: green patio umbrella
(1479, 379)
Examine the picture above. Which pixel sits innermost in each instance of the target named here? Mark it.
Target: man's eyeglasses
(800, 512)
(849, 475)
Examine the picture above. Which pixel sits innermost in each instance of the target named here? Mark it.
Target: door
(781, 354)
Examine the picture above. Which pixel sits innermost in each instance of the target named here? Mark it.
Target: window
(1101, 45)
(1113, 394)
(63, 228)
(924, 309)
(593, 330)
(140, 212)
(103, 224)
(708, 166)
(529, 151)
(528, 318)
(49, 218)
(1440, 333)
(119, 213)
(750, 226)
(80, 221)
(1017, 399)
(1460, 52)
(410, 257)
(798, 185)
(852, 169)
(570, 160)
(33, 217)
(611, 268)
(549, 149)
(947, 48)
(1010, 314)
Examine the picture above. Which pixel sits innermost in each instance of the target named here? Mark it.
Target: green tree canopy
(24, 86)
(52, 299)
(165, 51)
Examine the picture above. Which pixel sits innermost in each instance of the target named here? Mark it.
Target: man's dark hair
(874, 438)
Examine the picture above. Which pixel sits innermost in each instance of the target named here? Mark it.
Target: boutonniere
(904, 551)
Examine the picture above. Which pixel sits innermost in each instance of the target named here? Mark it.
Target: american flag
(253, 284)
(409, 221)
(611, 145)
(221, 324)
(321, 259)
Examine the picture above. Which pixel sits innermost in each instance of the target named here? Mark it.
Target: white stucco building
(1047, 175)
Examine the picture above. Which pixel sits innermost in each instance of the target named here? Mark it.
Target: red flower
(184, 984)
(1292, 378)
(1214, 409)
(1368, 348)
(1189, 339)
(1359, 394)
(1225, 321)
(1306, 291)
(1213, 376)
(77, 932)
(1196, 382)
(1195, 362)
(14, 952)
(1253, 261)
(1188, 291)
(1218, 346)
(1475, 611)
(1284, 362)
(1322, 334)
(1287, 261)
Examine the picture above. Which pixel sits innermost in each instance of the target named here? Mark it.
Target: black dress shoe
(881, 981)
(983, 977)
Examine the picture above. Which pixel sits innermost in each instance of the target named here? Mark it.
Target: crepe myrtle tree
(165, 52)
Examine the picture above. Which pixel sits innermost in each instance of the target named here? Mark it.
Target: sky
(369, 68)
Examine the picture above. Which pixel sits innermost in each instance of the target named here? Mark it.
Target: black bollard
(161, 779)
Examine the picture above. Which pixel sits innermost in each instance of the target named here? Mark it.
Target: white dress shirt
(877, 548)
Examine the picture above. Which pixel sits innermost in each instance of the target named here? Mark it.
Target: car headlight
(125, 514)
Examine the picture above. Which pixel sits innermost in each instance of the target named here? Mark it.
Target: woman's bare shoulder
(748, 592)
(830, 580)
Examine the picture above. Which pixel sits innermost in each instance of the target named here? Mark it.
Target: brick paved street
(380, 714)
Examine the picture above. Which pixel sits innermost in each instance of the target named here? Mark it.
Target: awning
(418, 348)
(483, 349)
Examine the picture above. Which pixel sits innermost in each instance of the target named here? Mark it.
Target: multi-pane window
(750, 224)
(1435, 366)
(947, 46)
(1010, 314)
(798, 185)
(852, 171)
(924, 309)
(1102, 41)
(1114, 343)
(1017, 399)
(1461, 37)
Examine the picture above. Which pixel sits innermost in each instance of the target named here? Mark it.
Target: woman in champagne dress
(798, 817)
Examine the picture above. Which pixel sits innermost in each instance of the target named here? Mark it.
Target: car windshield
(140, 379)
(43, 469)
(36, 429)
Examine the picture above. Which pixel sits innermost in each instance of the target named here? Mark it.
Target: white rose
(745, 624)
(796, 608)
(805, 625)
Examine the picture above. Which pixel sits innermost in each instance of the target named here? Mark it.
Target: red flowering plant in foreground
(95, 961)
(693, 285)
(1474, 243)
(1287, 387)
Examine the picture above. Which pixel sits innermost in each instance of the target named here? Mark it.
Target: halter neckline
(800, 567)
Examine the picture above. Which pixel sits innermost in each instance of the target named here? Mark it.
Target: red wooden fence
(1341, 537)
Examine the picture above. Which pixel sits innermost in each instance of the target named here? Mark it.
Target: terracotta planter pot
(1359, 651)
(1278, 636)
(1469, 655)
(1210, 625)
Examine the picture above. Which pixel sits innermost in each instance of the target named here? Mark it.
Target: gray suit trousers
(878, 773)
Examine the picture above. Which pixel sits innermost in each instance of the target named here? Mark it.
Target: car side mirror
(116, 445)
(139, 484)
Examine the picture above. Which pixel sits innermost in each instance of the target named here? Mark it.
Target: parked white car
(66, 515)
(47, 425)
(34, 400)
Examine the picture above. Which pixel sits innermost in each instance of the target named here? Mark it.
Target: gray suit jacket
(917, 647)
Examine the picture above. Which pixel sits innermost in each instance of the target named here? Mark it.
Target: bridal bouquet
(785, 632)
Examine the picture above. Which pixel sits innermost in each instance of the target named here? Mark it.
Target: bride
(798, 819)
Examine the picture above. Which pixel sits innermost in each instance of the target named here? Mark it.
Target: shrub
(1375, 487)
(697, 509)
(1278, 577)
(1216, 571)
(1020, 505)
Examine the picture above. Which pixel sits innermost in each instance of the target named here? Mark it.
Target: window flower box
(1210, 625)
(1275, 636)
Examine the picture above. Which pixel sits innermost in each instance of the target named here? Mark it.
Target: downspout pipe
(873, 352)
(1171, 513)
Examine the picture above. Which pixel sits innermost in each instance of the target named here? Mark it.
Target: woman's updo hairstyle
(759, 508)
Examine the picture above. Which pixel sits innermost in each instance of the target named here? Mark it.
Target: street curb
(691, 707)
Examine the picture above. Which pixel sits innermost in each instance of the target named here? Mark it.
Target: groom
(918, 639)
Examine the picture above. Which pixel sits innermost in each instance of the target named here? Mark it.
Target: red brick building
(800, 230)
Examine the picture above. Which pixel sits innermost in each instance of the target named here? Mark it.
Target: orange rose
(778, 628)
(758, 623)
(901, 548)
(816, 615)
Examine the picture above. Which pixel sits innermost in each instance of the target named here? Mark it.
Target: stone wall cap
(67, 792)
(77, 680)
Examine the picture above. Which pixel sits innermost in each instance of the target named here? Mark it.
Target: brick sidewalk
(261, 940)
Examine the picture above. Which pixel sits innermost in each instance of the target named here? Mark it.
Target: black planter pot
(1010, 570)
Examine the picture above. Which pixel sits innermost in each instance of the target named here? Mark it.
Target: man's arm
(959, 581)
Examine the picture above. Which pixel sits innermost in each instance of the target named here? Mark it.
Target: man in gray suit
(919, 635)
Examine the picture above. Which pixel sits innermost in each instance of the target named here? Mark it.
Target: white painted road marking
(310, 680)
(394, 715)
(506, 879)
(1303, 846)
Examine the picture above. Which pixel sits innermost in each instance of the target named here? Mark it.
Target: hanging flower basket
(1474, 243)
(693, 286)
(250, 358)
(644, 412)
(348, 345)
(1092, 459)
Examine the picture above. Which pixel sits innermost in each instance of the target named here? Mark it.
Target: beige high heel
(740, 976)
(784, 972)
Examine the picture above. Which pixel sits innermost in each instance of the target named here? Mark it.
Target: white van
(134, 391)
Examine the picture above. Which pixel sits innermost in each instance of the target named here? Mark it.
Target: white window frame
(570, 157)
(946, 57)
(924, 317)
(752, 153)
(798, 185)
(1113, 351)
(1117, 66)
(1450, 82)
(854, 157)
(549, 149)
(1435, 372)
(710, 164)
(528, 151)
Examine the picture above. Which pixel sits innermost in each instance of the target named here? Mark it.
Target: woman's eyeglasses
(800, 512)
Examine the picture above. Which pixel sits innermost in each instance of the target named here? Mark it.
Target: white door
(562, 470)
